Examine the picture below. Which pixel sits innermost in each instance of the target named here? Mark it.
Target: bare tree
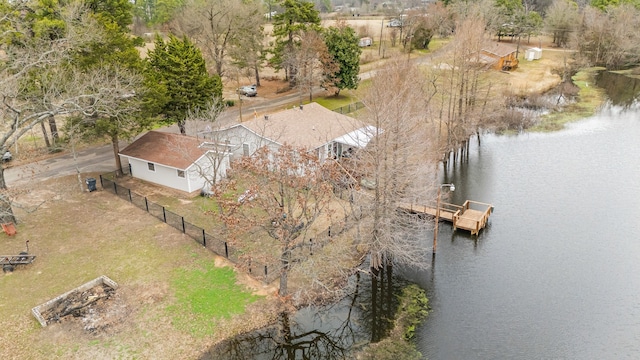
(285, 193)
(313, 64)
(463, 103)
(397, 165)
(205, 123)
(609, 38)
(63, 90)
(442, 18)
(218, 27)
(561, 20)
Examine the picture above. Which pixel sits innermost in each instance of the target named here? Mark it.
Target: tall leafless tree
(285, 193)
(222, 29)
(313, 64)
(63, 90)
(609, 38)
(397, 166)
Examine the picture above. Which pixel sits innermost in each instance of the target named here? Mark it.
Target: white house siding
(238, 135)
(168, 176)
(162, 175)
(194, 173)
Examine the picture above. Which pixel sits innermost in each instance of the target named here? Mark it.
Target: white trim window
(151, 166)
(181, 174)
(245, 149)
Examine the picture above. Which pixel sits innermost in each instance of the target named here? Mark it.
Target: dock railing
(480, 223)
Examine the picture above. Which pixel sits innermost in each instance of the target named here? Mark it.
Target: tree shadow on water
(334, 331)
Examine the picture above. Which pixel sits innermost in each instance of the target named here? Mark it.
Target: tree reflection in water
(329, 332)
(622, 90)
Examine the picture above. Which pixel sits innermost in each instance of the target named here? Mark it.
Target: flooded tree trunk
(375, 337)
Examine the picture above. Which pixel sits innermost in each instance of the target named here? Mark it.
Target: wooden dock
(471, 216)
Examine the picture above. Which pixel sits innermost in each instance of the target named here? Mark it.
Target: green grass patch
(590, 98)
(204, 295)
(333, 102)
(438, 43)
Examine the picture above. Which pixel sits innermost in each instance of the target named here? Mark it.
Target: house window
(245, 149)
(181, 173)
(151, 166)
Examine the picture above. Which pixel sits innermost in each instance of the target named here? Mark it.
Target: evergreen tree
(342, 44)
(116, 54)
(180, 68)
(298, 16)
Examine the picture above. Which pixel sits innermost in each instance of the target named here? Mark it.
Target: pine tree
(298, 16)
(179, 66)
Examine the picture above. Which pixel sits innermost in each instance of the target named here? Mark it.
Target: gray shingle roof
(310, 128)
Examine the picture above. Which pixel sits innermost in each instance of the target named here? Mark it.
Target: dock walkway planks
(461, 216)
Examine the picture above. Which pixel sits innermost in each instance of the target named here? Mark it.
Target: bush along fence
(256, 269)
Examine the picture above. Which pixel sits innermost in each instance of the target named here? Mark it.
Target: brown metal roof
(499, 49)
(173, 150)
(309, 127)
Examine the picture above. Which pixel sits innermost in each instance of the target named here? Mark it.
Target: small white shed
(365, 41)
(533, 53)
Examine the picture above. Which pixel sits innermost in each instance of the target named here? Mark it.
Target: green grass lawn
(164, 278)
(205, 295)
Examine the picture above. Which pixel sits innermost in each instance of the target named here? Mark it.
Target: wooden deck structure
(471, 216)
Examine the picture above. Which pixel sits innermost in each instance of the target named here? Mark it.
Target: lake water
(556, 275)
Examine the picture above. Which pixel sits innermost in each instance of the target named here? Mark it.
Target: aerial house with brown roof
(311, 126)
(180, 162)
(500, 56)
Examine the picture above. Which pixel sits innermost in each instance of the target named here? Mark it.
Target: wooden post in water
(435, 229)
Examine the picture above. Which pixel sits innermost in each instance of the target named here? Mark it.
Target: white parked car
(394, 23)
(249, 90)
(7, 156)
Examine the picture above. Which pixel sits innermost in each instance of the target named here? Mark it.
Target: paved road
(101, 159)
